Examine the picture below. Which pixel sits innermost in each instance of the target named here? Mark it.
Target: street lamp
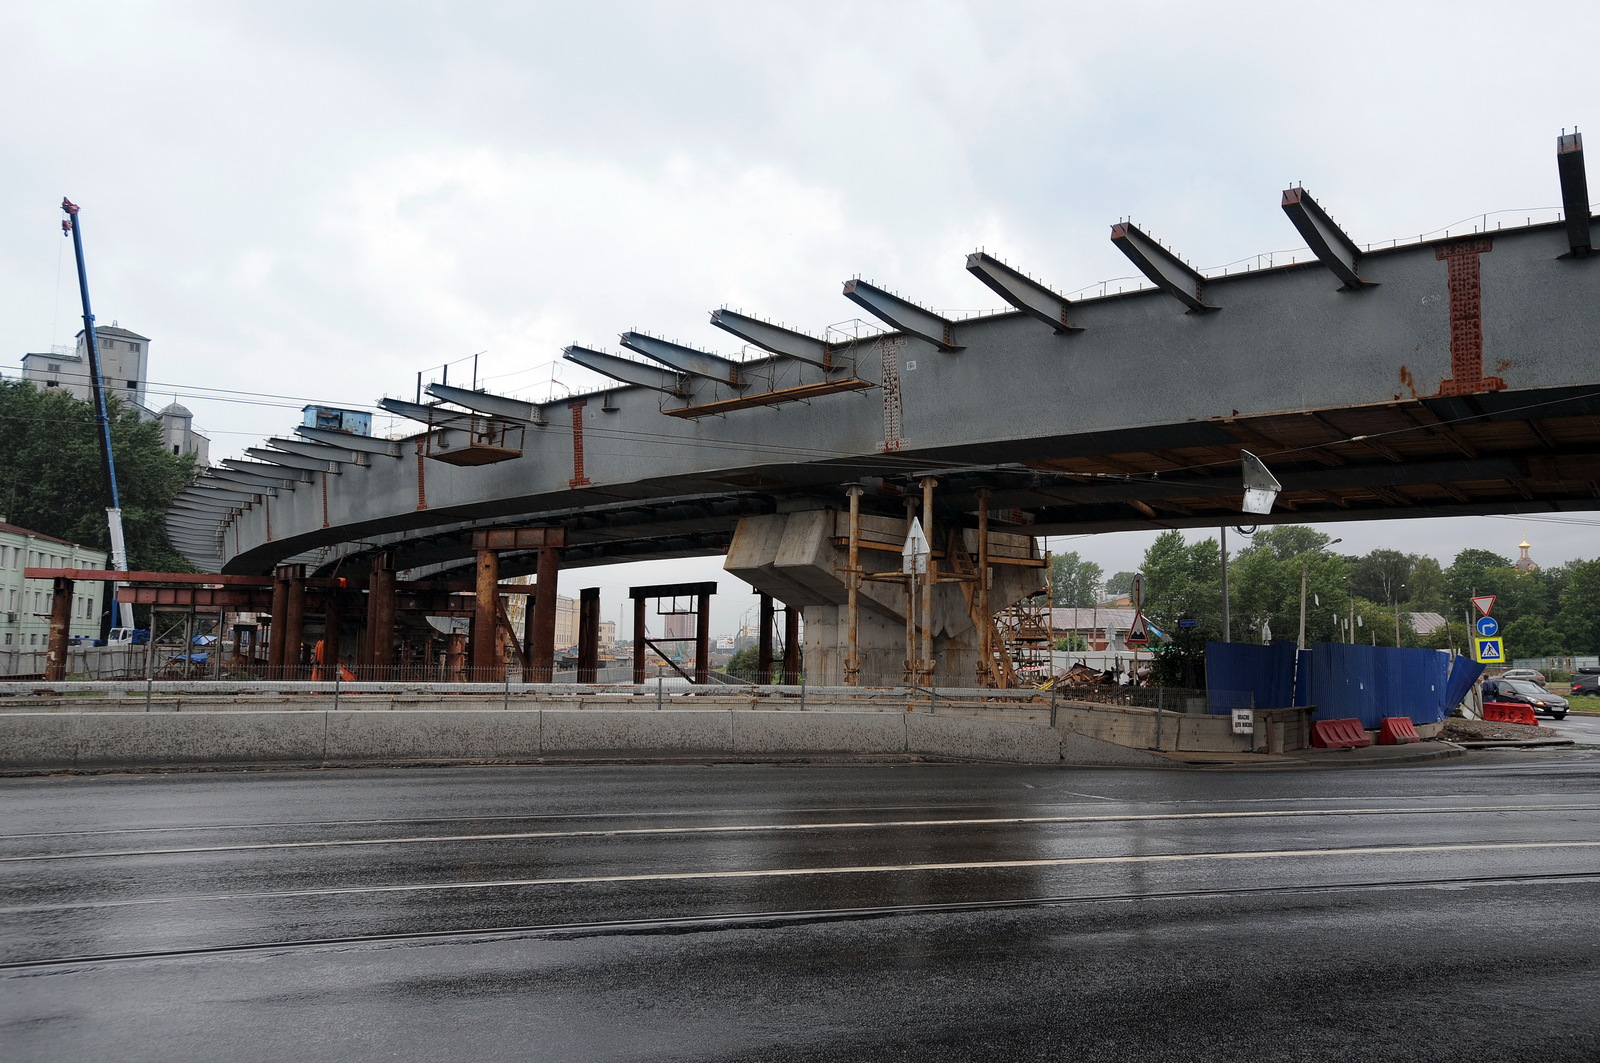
(1305, 567)
(1394, 605)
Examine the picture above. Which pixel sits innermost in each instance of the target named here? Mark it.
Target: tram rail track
(777, 918)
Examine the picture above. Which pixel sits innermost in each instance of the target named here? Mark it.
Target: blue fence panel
(1371, 682)
(1265, 671)
(1463, 673)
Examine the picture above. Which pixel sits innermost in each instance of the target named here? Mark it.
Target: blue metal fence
(1265, 671)
(1343, 680)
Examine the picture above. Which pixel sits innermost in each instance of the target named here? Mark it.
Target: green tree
(1425, 587)
(52, 479)
(1466, 576)
(1264, 585)
(1074, 581)
(1530, 636)
(1183, 580)
(744, 663)
(1579, 618)
(1382, 575)
(1117, 584)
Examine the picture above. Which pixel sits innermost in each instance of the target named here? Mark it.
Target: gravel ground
(1458, 730)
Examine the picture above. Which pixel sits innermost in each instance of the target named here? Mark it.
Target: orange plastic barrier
(1509, 712)
(1397, 731)
(1339, 734)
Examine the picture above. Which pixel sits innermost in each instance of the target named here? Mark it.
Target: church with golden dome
(1525, 563)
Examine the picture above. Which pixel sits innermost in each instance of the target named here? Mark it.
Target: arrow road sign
(1484, 603)
(1487, 626)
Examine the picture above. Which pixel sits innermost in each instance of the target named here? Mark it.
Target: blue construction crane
(72, 226)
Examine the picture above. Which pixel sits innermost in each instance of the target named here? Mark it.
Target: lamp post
(1394, 605)
(1305, 567)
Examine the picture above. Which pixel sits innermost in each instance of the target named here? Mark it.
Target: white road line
(760, 828)
(804, 872)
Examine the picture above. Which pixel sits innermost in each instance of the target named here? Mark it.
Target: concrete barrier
(441, 734)
(763, 731)
(134, 739)
(621, 732)
(99, 739)
(967, 738)
(39, 741)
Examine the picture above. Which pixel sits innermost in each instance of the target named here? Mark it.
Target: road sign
(1136, 594)
(1484, 603)
(1487, 626)
(1188, 621)
(1489, 651)
(914, 555)
(1139, 631)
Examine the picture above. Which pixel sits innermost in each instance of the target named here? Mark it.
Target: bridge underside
(1503, 452)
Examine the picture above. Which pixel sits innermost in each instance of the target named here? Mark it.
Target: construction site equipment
(72, 226)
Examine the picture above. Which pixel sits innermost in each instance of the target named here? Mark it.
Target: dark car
(1586, 684)
(1522, 692)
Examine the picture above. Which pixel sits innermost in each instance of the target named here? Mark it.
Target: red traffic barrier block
(1509, 712)
(1397, 731)
(1339, 734)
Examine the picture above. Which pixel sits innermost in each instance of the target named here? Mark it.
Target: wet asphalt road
(744, 912)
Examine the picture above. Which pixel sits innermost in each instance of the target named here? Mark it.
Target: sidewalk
(1366, 757)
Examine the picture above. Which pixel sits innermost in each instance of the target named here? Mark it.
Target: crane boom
(72, 226)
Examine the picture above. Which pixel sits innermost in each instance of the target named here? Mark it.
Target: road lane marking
(764, 920)
(804, 872)
(758, 828)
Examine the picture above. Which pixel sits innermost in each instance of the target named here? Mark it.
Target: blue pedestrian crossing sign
(1489, 651)
(1488, 626)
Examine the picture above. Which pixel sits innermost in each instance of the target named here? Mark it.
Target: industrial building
(124, 363)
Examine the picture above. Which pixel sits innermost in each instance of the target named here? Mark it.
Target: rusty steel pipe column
(332, 633)
(487, 666)
(764, 641)
(926, 660)
(294, 620)
(589, 635)
(280, 612)
(985, 621)
(702, 639)
(541, 644)
(791, 645)
(638, 641)
(55, 658)
(852, 658)
(380, 617)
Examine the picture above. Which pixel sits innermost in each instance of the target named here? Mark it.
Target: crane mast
(72, 226)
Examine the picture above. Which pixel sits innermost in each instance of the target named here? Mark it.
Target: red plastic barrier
(1509, 712)
(1397, 731)
(1339, 734)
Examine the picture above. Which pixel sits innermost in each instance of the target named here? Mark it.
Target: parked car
(1522, 692)
(1586, 683)
(1523, 673)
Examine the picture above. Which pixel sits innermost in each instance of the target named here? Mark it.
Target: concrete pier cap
(801, 558)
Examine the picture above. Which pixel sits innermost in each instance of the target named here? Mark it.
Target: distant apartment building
(25, 604)
(124, 358)
(566, 620)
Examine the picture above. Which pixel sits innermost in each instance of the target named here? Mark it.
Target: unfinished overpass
(1444, 377)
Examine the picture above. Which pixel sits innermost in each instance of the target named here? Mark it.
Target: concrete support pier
(803, 560)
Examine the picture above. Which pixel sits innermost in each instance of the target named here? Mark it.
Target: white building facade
(124, 362)
(25, 603)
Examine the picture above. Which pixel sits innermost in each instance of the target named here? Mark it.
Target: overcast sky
(317, 201)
